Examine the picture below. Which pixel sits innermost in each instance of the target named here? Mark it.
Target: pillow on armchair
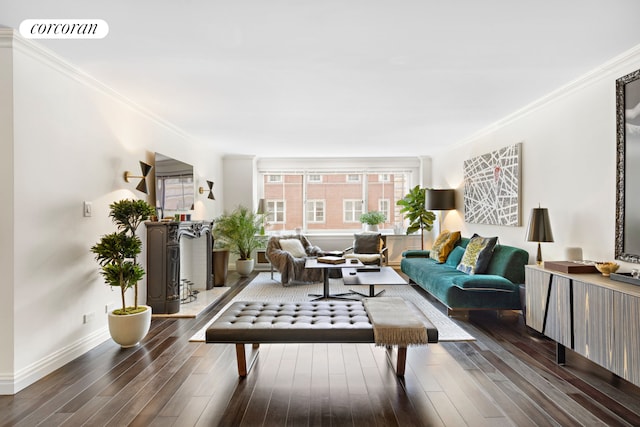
(294, 247)
(367, 243)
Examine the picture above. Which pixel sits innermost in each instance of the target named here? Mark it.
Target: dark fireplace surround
(163, 261)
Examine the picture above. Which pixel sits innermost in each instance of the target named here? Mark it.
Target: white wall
(73, 139)
(7, 211)
(239, 183)
(569, 165)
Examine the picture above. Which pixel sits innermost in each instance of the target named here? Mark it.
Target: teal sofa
(496, 289)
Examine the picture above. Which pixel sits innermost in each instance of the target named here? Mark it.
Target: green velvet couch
(496, 289)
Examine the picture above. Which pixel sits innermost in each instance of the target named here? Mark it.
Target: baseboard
(12, 383)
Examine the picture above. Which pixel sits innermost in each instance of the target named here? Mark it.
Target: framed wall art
(492, 187)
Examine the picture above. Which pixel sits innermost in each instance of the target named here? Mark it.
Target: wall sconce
(142, 186)
(539, 229)
(201, 190)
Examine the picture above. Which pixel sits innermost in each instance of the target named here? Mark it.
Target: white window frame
(351, 210)
(384, 177)
(272, 179)
(386, 211)
(312, 209)
(272, 208)
(311, 178)
(350, 176)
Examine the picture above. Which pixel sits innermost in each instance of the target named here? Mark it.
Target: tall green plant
(413, 208)
(239, 231)
(116, 253)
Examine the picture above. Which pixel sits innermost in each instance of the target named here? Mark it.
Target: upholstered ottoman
(308, 322)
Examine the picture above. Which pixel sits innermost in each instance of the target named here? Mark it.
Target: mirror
(628, 168)
(175, 187)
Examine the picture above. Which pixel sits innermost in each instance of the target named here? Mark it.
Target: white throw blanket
(394, 323)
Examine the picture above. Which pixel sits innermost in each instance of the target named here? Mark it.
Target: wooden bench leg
(401, 359)
(241, 357)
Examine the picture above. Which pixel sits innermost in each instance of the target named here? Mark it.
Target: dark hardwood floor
(506, 377)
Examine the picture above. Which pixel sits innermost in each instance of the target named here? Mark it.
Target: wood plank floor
(507, 377)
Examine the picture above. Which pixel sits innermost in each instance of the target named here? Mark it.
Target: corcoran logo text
(64, 28)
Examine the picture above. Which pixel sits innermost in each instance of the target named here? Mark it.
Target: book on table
(331, 260)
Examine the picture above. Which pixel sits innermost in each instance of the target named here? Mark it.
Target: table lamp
(539, 229)
(262, 210)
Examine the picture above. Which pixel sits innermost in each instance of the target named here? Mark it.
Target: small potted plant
(372, 219)
(239, 231)
(116, 253)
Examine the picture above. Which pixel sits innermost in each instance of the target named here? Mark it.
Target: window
(352, 210)
(276, 211)
(315, 211)
(329, 200)
(384, 207)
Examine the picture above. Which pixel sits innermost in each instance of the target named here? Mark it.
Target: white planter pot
(129, 330)
(369, 227)
(244, 267)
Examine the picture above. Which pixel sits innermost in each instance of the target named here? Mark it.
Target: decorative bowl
(607, 268)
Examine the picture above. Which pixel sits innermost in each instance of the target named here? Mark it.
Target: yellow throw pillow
(443, 245)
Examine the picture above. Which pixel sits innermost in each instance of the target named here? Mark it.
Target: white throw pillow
(294, 247)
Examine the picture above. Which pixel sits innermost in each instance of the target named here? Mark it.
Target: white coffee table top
(386, 276)
(313, 263)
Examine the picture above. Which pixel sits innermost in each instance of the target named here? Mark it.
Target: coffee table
(313, 263)
(371, 277)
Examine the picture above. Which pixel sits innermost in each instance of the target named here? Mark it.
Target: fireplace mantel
(163, 261)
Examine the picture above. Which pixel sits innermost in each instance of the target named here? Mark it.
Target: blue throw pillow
(455, 256)
(477, 254)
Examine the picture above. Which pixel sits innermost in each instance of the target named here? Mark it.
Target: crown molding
(614, 68)
(12, 39)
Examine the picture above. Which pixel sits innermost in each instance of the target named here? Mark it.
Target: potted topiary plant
(372, 219)
(413, 208)
(116, 253)
(239, 231)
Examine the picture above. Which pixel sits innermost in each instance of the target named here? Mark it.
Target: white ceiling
(338, 77)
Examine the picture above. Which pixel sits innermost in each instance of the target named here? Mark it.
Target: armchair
(369, 248)
(288, 254)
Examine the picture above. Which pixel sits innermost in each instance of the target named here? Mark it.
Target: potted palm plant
(413, 208)
(372, 219)
(239, 231)
(116, 253)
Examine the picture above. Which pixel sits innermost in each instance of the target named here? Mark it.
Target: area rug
(263, 288)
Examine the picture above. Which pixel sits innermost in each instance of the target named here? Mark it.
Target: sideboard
(588, 313)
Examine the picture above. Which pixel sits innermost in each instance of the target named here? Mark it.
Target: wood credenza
(591, 314)
(164, 259)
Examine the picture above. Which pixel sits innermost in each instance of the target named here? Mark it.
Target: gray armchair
(369, 248)
(288, 254)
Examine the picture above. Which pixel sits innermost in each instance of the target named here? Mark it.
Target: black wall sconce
(142, 186)
(201, 190)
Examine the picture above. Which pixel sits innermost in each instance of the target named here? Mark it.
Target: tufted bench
(300, 322)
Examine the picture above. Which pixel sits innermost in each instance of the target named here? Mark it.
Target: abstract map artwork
(492, 187)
